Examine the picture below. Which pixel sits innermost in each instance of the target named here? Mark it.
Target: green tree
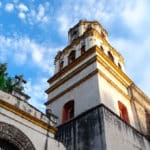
(3, 76)
(7, 83)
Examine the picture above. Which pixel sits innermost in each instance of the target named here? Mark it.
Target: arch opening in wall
(61, 65)
(68, 111)
(123, 112)
(71, 57)
(6, 145)
(82, 49)
(102, 35)
(14, 137)
(101, 47)
(110, 56)
(119, 66)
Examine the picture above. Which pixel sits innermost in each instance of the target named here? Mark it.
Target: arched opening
(123, 112)
(119, 66)
(102, 35)
(101, 47)
(61, 65)
(82, 49)
(68, 111)
(71, 57)
(12, 138)
(6, 145)
(110, 56)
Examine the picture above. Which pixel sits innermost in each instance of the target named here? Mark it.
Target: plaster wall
(106, 72)
(72, 81)
(72, 69)
(110, 97)
(120, 136)
(85, 96)
(36, 134)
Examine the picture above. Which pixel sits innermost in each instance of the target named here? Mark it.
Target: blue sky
(32, 31)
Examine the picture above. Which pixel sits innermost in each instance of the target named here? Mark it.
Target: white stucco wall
(110, 97)
(36, 134)
(72, 81)
(120, 136)
(85, 96)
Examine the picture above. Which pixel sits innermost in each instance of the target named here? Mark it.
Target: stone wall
(100, 129)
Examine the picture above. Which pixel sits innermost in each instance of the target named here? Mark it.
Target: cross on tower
(20, 80)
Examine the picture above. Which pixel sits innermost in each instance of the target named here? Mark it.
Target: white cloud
(72, 11)
(25, 48)
(0, 4)
(37, 91)
(22, 15)
(22, 7)
(39, 15)
(135, 14)
(9, 7)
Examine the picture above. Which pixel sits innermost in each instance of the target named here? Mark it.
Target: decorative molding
(27, 116)
(75, 63)
(15, 136)
(102, 59)
(114, 85)
(71, 87)
(72, 74)
(90, 32)
(113, 69)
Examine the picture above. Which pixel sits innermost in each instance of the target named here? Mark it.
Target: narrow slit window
(110, 56)
(82, 49)
(71, 57)
(61, 65)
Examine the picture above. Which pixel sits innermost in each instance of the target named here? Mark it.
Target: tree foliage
(7, 83)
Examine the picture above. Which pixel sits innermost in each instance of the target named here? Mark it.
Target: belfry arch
(14, 137)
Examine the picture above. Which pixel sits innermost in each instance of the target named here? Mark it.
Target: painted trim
(113, 69)
(75, 63)
(27, 116)
(72, 74)
(114, 85)
(72, 87)
(102, 59)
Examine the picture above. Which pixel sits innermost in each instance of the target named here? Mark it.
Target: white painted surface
(35, 133)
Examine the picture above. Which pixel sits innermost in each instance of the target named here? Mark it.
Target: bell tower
(88, 72)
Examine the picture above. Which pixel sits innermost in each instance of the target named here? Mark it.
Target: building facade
(23, 127)
(97, 104)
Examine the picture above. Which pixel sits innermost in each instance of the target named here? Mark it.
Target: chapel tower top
(82, 26)
(82, 37)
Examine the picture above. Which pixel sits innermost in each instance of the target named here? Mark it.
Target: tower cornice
(87, 33)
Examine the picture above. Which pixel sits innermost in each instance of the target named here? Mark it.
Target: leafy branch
(8, 84)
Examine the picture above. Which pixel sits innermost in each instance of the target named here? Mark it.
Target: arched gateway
(11, 138)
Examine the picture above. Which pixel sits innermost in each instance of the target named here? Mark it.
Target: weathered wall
(39, 137)
(121, 136)
(85, 132)
(100, 129)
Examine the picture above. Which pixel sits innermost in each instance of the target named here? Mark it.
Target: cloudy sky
(32, 31)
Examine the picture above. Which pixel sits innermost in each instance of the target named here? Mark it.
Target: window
(71, 57)
(119, 65)
(101, 47)
(68, 111)
(82, 49)
(103, 35)
(111, 56)
(123, 112)
(148, 121)
(61, 65)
